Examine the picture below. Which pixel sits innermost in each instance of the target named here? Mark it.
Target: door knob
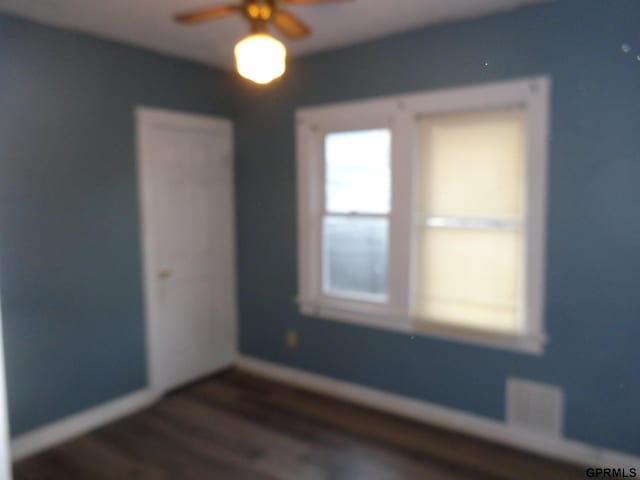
(165, 273)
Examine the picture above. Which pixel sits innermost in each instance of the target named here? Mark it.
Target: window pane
(358, 171)
(472, 164)
(469, 278)
(355, 256)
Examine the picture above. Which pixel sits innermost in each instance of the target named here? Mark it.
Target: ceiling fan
(259, 56)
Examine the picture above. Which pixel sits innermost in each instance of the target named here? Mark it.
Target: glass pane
(469, 278)
(472, 164)
(355, 256)
(358, 174)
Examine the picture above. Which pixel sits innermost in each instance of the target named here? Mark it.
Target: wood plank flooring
(237, 426)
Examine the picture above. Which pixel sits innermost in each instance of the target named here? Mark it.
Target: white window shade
(469, 278)
(469, 245)
(471, 164)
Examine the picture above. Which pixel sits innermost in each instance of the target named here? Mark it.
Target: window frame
(399, 114)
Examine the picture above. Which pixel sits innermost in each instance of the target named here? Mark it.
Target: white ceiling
(149, 23)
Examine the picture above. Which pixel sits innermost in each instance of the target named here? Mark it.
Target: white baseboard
(489, 429)
(60, 431)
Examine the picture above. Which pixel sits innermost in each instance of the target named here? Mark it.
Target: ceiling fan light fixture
(260, 58)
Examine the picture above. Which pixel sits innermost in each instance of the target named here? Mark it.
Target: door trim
(145, 117)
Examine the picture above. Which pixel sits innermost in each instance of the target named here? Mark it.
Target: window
(469, 218)
(425, 212)
(357, 206)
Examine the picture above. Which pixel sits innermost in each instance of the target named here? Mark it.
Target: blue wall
(69, 246)
(593, 279)
(69, 254)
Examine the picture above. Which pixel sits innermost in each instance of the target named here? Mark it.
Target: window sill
(532, 344)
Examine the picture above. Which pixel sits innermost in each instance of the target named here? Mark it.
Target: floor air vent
(533, 406)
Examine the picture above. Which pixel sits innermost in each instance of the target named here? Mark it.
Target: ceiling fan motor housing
(258, 12)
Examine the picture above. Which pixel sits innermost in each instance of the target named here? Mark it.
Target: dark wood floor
(237, 426)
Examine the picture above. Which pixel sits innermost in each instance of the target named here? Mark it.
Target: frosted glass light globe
(260, 58)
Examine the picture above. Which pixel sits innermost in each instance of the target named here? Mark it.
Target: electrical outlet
(291, 339)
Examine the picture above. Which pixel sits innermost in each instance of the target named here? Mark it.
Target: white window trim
(399, 113)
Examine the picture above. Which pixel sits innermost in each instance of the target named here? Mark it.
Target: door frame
(5, 449)
(144, 118)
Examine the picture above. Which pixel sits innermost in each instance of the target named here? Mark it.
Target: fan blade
(312, 2)
(290, 25)
(207, 14)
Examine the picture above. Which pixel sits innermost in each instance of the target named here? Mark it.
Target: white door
(186, 184)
